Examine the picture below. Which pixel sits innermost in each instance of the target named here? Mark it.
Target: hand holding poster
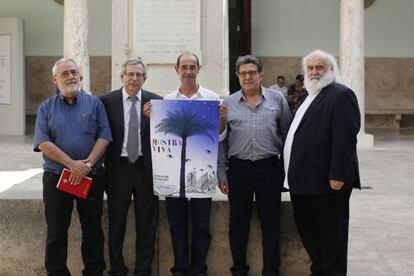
(184, 147)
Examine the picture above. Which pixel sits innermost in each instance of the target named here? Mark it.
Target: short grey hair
(137, 61)
(249, 59)
(330, 61)
(60, 61)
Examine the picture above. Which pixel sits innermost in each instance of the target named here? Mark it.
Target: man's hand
(79, 169)
(224, 187)
(147, 109)
(336, 184)
(223, 115)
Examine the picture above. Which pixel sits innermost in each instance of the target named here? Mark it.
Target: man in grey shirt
(252, 142)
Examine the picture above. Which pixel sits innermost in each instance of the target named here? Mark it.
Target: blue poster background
(184, 147)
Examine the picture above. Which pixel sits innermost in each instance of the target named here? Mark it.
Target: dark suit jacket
(115, 110)
(324, 145)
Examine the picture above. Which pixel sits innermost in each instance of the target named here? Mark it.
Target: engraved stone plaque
(5, 69)
(163, 29)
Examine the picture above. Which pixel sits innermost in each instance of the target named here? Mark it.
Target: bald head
(187, 55)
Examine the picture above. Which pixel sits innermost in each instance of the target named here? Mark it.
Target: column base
(365, 141)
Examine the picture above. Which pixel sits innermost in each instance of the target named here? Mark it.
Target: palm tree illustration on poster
(184, 147)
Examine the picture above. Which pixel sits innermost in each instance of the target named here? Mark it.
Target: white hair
(330, 60)
(62, 60)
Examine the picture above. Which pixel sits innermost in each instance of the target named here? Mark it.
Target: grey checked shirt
(253, 133)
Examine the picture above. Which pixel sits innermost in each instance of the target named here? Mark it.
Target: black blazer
(324, 145)
(115, 111)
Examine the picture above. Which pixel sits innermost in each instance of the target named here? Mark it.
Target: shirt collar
(59, 94)
(263, 96)
(125, 95)
(197, 95)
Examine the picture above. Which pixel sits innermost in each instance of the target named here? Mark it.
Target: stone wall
(22, 232)
(389, 83)
(39, 83)
(389, 87)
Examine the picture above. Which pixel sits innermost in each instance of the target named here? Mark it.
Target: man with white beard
(72, 131)
(321, 164)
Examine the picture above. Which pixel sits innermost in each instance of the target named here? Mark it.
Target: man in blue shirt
(72, 131)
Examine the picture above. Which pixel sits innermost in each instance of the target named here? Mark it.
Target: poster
(184, 147)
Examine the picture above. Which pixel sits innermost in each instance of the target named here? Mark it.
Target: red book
(80, 190)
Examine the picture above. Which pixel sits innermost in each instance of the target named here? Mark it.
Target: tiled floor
(382, 214)
(382, 218)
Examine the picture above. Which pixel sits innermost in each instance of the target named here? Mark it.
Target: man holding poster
(250, 166)
(191, 149)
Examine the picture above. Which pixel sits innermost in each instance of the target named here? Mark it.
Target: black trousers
(58, 212)
(132, 181)
(258, 179)
(323, 223)
(178, 213)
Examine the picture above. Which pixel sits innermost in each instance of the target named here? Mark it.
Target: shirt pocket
(269, 116)
(89, 124)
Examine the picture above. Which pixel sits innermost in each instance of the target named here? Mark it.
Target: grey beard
(315, 86)
(72, 89)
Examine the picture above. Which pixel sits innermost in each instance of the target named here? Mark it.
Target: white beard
(72, 88)
(314, 86)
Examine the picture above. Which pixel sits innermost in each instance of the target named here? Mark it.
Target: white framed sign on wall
(5, 69)
(164, 29)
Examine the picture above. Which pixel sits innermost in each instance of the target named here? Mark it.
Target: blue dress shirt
(73, 128)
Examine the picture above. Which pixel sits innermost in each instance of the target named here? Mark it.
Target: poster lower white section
(184, 147)
(5, 69)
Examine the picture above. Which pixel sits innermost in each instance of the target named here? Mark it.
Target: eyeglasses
(67, 73)
(132, 74)
(245, 73)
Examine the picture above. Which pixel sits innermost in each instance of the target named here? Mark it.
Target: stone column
(352, 57)
(121, 41)
(76, 36)
(162, 77)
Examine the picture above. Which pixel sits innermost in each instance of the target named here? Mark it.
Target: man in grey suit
(129, 170)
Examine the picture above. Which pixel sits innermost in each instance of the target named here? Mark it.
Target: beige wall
(280, 27)
(389, 84)
(294, 28)
(43, 25)
(389, 87)
(39, 83)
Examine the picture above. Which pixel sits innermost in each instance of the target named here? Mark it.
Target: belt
(271, 158)
(125, 159)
